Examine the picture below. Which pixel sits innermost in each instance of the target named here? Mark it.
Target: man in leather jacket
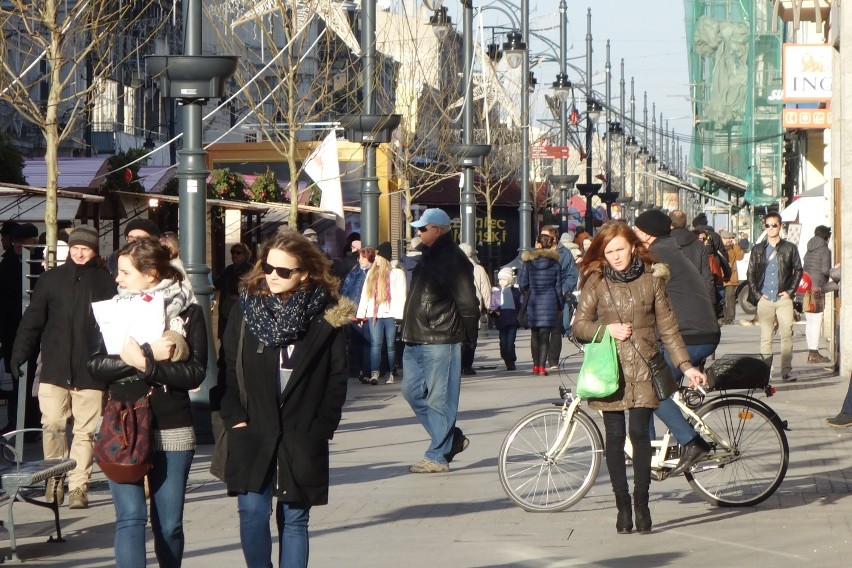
(441, 313)
(774, 271)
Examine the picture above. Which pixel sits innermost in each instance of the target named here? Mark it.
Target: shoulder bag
(599, 375)
(123, 446)
(662, 377)
(220, 447)
(523, 320)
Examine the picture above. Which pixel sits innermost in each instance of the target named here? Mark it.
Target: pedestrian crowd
(293, 326)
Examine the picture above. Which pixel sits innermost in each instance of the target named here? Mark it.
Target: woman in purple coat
(540, 276)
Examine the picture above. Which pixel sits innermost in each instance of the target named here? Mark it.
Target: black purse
(523, 319)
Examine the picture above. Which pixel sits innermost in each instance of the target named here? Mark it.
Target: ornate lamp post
(593, 112)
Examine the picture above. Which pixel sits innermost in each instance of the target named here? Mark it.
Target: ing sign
(807, 72)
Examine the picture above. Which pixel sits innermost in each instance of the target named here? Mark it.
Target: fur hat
(84, 236)
(655, 223)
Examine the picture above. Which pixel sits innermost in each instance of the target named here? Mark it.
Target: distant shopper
(735, 253)
(441, 313)
(138, 228)
(568, 276)
(228, 283)
(482, 285)
(694, 250)
(817, 263)
(774, 271)
(541, 279)
(505, 302)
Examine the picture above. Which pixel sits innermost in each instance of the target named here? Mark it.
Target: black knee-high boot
(643, 513)
(624, 521)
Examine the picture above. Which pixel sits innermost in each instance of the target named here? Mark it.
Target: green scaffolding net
(735, 79)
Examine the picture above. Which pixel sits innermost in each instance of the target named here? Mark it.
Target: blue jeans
(431, 387)
(255, 538)
(508, 335)
(383, 329)
(668, 411)
(168, 491)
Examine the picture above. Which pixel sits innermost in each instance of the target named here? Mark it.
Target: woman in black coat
(286, 385)
(541, 279)
(167, 369)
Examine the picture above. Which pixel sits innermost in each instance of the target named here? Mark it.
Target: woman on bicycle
(618, 290)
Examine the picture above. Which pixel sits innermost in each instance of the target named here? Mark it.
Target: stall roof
(24, 203)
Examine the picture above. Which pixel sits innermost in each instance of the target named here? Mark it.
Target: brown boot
(815, 357)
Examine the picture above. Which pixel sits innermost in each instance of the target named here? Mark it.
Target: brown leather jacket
(644, 303)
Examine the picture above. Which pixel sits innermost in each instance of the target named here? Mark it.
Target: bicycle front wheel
(541, 483)
(754, 467)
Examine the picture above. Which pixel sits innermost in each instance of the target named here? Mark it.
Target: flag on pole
(324, 168)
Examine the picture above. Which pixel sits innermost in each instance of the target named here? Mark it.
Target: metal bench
(16, 480)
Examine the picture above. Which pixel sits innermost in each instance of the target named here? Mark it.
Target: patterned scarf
(634, 271)
(177, 296)
(276, 322)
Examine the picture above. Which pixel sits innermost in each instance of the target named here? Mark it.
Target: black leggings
(641, 440)
(540, 345)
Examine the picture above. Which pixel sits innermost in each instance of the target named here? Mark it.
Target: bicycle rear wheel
(538, 483)
(755, 467)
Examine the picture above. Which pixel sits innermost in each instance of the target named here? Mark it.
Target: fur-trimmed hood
(661, 270)
(533, 254)
(341, 313)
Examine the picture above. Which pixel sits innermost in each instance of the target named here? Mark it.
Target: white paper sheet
(141, 317)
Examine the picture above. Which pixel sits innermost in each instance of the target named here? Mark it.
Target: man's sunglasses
(281, 271)
(771, 225)
(422, 229)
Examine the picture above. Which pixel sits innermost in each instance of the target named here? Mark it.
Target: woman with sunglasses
(168, 368)
(286, 384)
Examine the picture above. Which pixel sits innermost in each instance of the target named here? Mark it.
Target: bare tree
(55, 56)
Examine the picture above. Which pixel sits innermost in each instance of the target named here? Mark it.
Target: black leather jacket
(172, 380)
(789, 269)
(441, 306)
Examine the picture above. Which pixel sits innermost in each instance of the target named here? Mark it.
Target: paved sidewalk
(381, 515)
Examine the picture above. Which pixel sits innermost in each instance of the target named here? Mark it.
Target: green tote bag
(599, 374)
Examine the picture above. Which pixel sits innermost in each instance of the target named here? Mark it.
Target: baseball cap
(435, 216)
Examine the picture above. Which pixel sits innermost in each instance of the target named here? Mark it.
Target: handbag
(809, 302)
(523, 320)
(220, 433)
(123, 446)
(599, 376)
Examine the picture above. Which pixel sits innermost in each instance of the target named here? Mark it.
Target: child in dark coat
(505, 302)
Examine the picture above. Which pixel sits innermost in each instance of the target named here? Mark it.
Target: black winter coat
(287, 435)
(60, 319)
(173, 380)
(442, 307)
(696, 252)
(541, 276)
(789, 269)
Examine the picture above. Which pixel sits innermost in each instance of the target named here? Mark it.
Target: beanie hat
(25, 231)
(655, 223)
(700, 219)
(567, 238)
(385, 251)
(505, 273)
(84, 236)
(140, 224)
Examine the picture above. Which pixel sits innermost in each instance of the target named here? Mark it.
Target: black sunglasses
(281, 271)
(771, 225)
(422, 229)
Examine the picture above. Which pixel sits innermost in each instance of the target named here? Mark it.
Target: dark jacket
(696, 252)
(696, 317)
(60, 319)
(817, 262)
(644, 303)
(441, 307)
(353, 282)
(541, 274)
(789, 269)
(10, 303)
(288, 433)
(172, 381)
(569, 271)
(505, 318)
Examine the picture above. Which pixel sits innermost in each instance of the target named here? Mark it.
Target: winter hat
(385, 251)
(140, 224)
(655, 223)
(25, 231)
(310, 234)
(415, 242)
(567, 238)
(84, 236)
(8, 228)
(505, 273)
(726, 234)
(700, 219)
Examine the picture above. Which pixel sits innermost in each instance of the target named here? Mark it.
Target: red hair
(594, 259)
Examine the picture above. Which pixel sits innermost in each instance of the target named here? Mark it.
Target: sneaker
(553, 368)
(374, 378)
(54, 487)
(786, 377)
(460, 444)
(77, 499)
(840, 421)
(390, 380)
(429, 466)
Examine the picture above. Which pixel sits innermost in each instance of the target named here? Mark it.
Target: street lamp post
(613, 129)
(589, 189)
(562, 88)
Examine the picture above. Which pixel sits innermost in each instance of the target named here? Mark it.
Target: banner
(323, 167)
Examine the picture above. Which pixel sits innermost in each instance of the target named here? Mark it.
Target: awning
(24, 203)
(74, 173)
(250, 206)
(691, 188)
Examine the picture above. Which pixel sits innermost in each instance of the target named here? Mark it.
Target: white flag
(324, 168)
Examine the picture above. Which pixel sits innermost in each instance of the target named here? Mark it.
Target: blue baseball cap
(435, 216)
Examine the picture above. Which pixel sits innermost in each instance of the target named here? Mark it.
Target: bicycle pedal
(659, 474)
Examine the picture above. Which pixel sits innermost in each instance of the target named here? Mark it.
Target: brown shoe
(814, 356)
(77, 499)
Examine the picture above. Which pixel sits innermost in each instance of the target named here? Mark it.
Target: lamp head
(440, 23)
(562, 87)
(594, 109)
(514, 48)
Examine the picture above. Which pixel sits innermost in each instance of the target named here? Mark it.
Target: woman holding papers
(286, 384)
(171, 362)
